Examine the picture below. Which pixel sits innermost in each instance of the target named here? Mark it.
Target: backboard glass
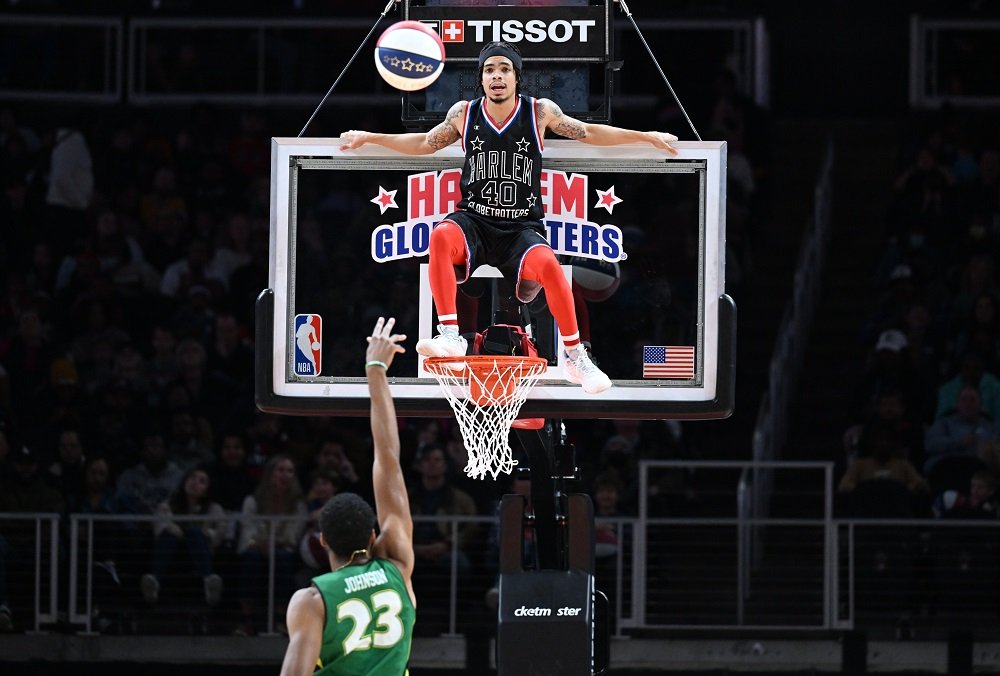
(349, 236)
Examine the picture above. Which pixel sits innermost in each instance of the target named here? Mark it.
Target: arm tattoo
(541, 111)
(445, 133)
(565, 126)
(570, 128)
(441, 136)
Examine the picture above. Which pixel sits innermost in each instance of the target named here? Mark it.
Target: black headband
(500, 49)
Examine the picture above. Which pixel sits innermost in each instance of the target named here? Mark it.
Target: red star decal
(607, 199)
(386, 199)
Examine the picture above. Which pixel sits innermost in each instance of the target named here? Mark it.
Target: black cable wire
(356, 52)
(656, 63)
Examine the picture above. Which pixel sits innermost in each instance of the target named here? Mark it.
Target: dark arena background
(843, 518)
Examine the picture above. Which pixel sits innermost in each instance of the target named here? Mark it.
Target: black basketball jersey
(501, 178)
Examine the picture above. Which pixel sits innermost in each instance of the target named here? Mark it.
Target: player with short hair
(498, 221)
(358, 618)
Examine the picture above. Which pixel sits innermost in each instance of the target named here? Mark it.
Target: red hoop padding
(528, 423)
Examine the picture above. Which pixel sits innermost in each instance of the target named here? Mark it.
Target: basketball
(316, 346)
(598, 280)
(409, 55)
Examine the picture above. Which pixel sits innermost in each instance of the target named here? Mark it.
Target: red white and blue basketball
(409, 55)
(596, 279)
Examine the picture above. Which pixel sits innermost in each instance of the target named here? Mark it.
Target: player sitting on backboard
(498, 221)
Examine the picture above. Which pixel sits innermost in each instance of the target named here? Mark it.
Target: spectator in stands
(980, 332)
(129, 373)
(881, 458)
(483, 493)
(331, 459)
(162, 366)
(889, 369)
(192, 270)
(231, 481)
(229, 353)
(903, 288)
(322, 487)
(190, 442)
(973, 374)
(164, 215)
(24, 489)
(66, 473)
(198, 538)
(114, 542)
(26, 355)
(232, 249)
(922, 195)
(268, 438)
(153, 479)
(978, 277)
(979, 502)
(70, 190)
(607, 493)
(435, 495)
(963, 433)
(890, 410)
(25, 492)
(278, 495)
(212, 394)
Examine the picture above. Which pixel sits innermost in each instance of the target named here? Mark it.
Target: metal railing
(281, 62)
(70, 59)
(662, 571)
(954, 61)
(739, 537)
(32, 537)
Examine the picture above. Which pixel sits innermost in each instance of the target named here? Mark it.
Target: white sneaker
(213, 589)
(582, 371)
(443, 345)
(150, 588)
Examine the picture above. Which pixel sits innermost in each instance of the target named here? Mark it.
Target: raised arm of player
(441, 136)
(392, 506)
(551, 116)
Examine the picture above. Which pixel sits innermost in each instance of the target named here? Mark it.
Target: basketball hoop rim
(483, 363)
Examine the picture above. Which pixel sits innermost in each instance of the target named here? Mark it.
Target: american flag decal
(668, 361)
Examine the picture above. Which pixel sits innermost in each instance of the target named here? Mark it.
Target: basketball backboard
(349, 237)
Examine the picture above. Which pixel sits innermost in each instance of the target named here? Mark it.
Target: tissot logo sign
(565, 33)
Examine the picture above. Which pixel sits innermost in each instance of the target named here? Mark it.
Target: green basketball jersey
(369, 621)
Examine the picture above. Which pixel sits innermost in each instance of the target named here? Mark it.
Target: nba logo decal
(308, 345)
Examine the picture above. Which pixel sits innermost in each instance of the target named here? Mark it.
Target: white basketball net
(486, 397)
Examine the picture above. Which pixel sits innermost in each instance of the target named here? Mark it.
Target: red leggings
(447, 249)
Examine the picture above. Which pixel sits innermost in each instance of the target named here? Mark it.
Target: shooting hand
(383, 345)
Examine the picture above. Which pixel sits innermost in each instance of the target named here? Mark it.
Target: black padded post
(512, 533)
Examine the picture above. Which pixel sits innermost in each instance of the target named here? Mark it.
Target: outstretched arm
(441, 136)
(392, 506)
(551, 116)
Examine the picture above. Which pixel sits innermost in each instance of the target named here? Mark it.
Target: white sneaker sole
(592, 388)
(429, 347)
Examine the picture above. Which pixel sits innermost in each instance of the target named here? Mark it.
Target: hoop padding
(486, 393)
